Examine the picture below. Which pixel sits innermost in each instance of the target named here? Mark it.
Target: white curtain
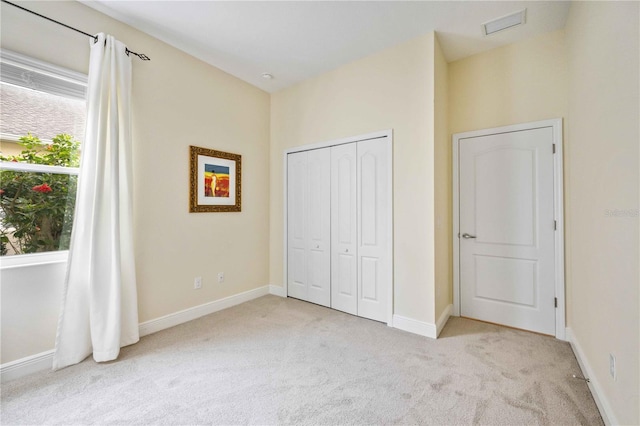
(99, 313)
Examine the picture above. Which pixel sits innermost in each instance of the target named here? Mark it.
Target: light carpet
(283, 361)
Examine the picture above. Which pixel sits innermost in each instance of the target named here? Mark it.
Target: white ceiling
(297, 40)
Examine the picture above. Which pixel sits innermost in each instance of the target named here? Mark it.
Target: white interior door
(344, 282)
(507, 266)
(308, 245)
(373, 199)
(297, 225)
(319, 226)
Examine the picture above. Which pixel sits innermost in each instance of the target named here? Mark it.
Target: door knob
(467, 236)
(346, 251)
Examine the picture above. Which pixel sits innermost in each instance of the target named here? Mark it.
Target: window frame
(38, 168)
(42, 76)
(24, 71)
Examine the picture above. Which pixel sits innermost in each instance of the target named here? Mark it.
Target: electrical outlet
(197, 283)
(220, 277)
(612, 366)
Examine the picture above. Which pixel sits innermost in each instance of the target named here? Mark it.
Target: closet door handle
(467, 236)
(346, 251)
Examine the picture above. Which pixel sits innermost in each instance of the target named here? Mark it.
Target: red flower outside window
(44, 188)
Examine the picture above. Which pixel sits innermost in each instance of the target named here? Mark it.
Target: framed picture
(215, 183)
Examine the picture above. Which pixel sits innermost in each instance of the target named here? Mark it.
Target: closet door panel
(372, 226)
(319, 226)
(370, 282)
(344, 282)
(296, 225)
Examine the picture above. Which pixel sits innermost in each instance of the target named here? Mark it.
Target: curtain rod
(94, 37)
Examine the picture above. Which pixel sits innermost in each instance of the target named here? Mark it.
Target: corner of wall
(443, 202)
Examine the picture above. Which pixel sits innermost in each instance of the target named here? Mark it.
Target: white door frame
(558, 202)
(388, 134)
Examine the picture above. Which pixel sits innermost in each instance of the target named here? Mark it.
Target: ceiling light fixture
(267, 76)
(505, 22)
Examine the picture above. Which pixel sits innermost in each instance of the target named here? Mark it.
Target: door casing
(558, 201)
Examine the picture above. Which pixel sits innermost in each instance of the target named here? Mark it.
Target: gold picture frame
(215, 183)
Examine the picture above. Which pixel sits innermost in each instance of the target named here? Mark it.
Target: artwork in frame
(215, 182)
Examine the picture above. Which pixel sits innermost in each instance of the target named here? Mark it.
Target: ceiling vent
(505, 22)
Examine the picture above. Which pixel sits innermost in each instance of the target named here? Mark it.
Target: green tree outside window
(36, 209)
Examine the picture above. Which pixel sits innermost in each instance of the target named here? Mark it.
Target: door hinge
(555, 302)
(555, 225)
(554, 148)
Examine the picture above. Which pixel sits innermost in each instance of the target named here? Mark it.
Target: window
(42, 119)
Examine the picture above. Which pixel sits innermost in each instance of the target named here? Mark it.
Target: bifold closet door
(373, 241)
(344, 280)
(309, 234)
(359, 242)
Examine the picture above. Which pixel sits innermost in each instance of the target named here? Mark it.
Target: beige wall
(392, 89)
(443, 188)
(603, 63)
(517, 83)
(177, 101)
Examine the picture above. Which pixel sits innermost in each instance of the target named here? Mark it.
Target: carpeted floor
(283, 361)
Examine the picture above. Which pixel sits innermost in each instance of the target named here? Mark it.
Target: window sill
(35, 259)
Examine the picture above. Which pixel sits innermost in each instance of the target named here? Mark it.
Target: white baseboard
(442, 321)
(25, 366)
(276, 290)
(414, 326)
(186, 315)
(423, 328)
(44, 361)
(602, 402)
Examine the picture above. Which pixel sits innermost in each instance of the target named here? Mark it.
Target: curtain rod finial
(142, 56)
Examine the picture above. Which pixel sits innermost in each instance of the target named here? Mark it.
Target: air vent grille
(504, 23)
